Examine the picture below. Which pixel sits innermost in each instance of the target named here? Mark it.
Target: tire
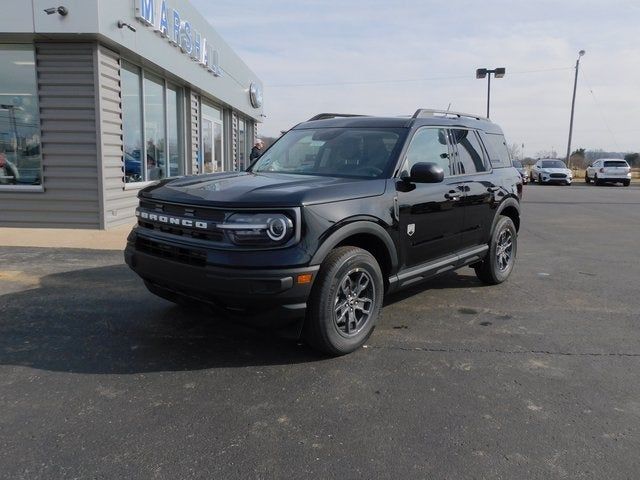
(626, 183)
(490, 271)
(540, 180)
(596, 181)
(336, 331)
(586, 178)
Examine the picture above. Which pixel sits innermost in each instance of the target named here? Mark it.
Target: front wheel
(345, 302)
(498, 264)
(626, 183)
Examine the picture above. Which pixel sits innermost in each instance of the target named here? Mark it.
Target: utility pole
(573, 104)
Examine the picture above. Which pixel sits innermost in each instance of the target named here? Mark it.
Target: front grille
(179, 254)
(557, 175)
(195, 212)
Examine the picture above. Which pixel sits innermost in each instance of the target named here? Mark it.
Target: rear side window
(619, 163)
(497, 149)
(470, 156)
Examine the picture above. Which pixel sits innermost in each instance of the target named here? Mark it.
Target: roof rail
(428, 112)
(324, 116)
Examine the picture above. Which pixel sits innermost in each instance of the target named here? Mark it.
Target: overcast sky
(391, 57)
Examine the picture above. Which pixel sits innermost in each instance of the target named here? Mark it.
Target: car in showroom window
(20, 153)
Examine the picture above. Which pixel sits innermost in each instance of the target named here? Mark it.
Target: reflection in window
(154, 127)
(429, 145)
(20, 155)
(132, 123)
(242, 144)
(160, 142)
(173, 133)
(470, 156)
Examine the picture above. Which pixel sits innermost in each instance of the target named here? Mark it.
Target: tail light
(602, 170)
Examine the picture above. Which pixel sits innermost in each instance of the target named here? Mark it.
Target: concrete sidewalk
(113, 239)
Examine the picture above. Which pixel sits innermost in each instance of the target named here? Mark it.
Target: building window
(212, 139)
(132, 123)
(149, 100)
(244, 144)
(174, 139)
(20, 146)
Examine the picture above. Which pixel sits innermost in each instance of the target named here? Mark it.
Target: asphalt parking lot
(535, 378)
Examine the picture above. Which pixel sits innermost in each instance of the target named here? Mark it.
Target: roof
(400, 122)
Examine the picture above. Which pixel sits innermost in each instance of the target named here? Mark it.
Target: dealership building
(98, 98)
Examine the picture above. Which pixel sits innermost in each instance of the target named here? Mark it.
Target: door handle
(452, 195)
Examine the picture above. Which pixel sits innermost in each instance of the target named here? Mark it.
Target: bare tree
(547, 154)
(514, 151)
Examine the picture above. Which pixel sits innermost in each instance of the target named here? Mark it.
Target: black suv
(340, 211)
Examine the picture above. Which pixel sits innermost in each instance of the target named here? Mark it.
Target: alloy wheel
(504, 250)
(354, 302)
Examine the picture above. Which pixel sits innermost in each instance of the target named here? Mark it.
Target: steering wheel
(373, 171)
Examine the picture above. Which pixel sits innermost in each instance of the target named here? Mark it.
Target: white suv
(550, 170)
(608, 170)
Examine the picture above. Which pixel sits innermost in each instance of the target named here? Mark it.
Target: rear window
(497, 149)
(616, 163)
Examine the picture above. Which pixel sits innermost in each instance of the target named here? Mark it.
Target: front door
(212, 145)
(430, 217)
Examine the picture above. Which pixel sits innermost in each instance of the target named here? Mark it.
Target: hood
(246, 189)
(555, 170)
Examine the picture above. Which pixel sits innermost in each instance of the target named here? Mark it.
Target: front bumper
(550, 179)
(265, 297)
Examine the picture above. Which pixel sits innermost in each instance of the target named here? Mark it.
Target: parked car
(608, 170)
(339, 212)
(551, 171)
(524, 174)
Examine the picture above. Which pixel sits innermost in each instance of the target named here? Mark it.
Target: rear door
(430, 216)
(474, 177)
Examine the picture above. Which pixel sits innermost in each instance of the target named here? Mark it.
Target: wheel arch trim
(357, 228)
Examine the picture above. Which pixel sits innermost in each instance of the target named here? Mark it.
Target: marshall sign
(168, 23)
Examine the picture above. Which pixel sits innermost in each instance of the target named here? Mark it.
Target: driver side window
(429, 145)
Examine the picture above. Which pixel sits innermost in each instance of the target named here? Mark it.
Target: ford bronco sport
(339, 212)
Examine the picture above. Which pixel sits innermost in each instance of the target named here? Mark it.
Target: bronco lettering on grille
(183, 222)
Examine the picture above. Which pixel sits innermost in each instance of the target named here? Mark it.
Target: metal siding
(119, 204)
(66, 96)
(194, 127)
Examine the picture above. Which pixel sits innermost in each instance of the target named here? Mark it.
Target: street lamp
(573, 104)
(485, 72)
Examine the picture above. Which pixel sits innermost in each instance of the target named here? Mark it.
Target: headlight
(258, 229)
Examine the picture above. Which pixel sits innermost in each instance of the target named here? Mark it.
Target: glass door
(212, 145)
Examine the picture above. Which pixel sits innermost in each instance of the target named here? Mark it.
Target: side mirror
(426, 173)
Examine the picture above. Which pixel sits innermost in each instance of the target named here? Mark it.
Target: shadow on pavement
(457, 279)
(102, 320)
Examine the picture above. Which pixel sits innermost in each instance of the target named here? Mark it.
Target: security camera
(62, 11)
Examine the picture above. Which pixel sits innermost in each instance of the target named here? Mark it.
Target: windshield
(517, 163)
(340, 152)
(553, 164)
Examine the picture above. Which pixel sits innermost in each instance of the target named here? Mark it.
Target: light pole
(573, 104)
(485, 72)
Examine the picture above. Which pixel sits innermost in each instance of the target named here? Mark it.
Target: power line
(404, 80)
